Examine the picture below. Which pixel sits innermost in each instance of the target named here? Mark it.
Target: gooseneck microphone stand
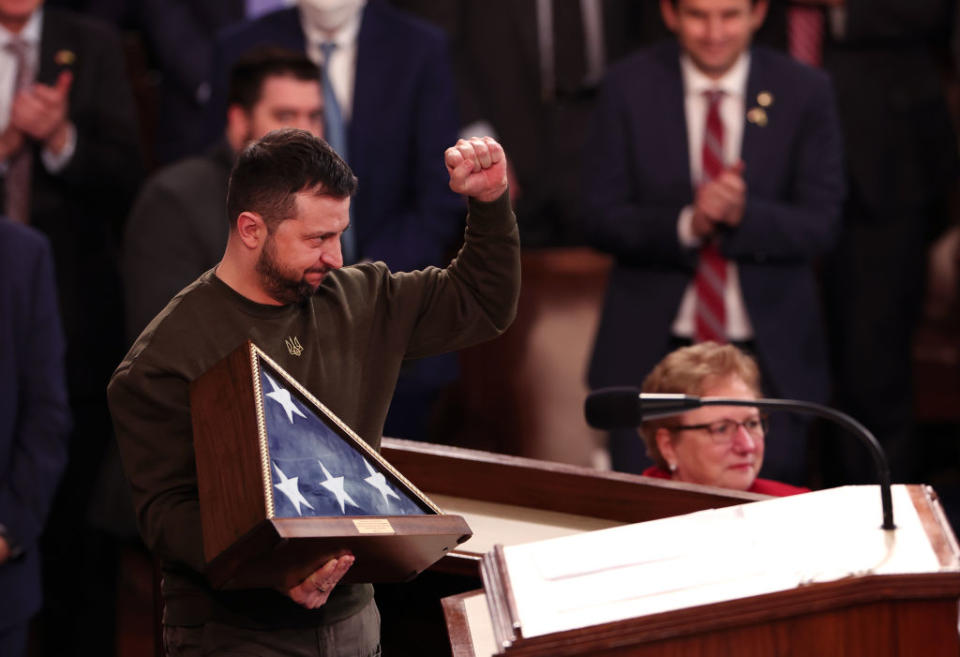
(618, 408)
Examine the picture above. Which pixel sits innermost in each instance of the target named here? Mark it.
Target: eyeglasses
(722, 432)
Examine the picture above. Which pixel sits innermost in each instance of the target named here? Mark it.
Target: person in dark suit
(72, 162)
(398, 103)
(179, 35)
(536, 92)
(34, 421)
(77, 125)
(902, 163)
(770, 207)
(405, 101)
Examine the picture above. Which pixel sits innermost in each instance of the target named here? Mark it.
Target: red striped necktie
(805, 27)
(710, 280)
(20, 164)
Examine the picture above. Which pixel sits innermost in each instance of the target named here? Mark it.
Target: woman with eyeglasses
(714, 445)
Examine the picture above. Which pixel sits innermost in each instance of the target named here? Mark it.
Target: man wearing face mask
(390, 107)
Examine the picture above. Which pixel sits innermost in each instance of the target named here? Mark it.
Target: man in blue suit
(767, 126)
(34, 421)
(391, 78)
(402, 114)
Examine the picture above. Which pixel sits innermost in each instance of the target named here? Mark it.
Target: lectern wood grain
(229, 471)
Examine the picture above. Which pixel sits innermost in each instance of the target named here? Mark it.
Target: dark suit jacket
(34, 417)
(82, 207)
(404, 118)
(900, 144)
(637, 179)
(177, 230)
(180, 35)
(898, 139)
(501, 84)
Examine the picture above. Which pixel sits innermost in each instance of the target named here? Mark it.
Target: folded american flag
(316, 471)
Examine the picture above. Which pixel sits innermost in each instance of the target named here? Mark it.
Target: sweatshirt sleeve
(475, 297)
(151, 417)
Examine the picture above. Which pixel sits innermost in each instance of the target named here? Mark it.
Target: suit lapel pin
(764, 99)
(65, 58)
(757, 116)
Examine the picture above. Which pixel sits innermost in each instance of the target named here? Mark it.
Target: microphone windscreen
(613, 408)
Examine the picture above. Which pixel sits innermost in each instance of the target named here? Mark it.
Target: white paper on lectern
(713, 556)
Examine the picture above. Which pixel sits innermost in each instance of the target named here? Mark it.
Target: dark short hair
(271, 171)
(253, 67)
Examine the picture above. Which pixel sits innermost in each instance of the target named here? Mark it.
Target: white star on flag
(335, 486)
(378, 481)
(290, 488)
(282, 397)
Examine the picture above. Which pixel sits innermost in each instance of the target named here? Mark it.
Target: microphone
(627, 408)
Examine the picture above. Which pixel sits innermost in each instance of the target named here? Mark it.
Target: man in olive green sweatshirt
(280, 283)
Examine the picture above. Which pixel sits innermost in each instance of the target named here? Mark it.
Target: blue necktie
(335, 132)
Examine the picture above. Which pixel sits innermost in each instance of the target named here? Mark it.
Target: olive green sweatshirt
(355, 332)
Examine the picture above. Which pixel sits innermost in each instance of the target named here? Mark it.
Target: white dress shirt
(732, 113)
(30, 35)
(343, 70)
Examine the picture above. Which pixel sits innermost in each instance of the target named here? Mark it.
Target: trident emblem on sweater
(294, 346)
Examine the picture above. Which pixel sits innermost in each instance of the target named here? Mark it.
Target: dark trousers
(13, 641)
(79, 561)
(874, 291)
(355, 636)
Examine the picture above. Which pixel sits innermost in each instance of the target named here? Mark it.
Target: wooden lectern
(512, 500)
(806, 575)
(285, 486)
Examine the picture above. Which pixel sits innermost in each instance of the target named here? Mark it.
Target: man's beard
(281, 284)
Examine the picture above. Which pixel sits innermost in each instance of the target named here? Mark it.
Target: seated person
(715, 445)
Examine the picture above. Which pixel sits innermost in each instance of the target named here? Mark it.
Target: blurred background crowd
(121, 119)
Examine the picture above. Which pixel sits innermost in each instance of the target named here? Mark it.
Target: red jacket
(762, 486)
